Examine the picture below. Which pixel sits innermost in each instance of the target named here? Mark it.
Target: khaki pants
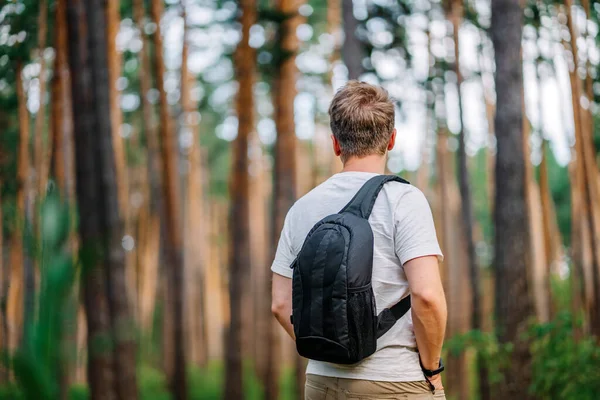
(328, 388)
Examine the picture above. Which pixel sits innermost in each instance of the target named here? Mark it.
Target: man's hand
(428, 310)
(436, 381)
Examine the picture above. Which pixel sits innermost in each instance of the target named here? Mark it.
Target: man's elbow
(429, 299)
(278, 308)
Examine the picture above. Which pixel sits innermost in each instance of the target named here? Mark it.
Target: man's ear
(337, 150)
(392, 141)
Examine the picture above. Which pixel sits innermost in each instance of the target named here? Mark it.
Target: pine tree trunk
(14, 306)
(511, 257)
(3, 331)
(284, 190)
(113, 21)
(40, 118)
(194, 222)
(239, 223)
(63, 172)
(353, 50)
(456, 16)
(111, 223)
(101, 378)
(150, 222)
(174, 242)
(587, 171)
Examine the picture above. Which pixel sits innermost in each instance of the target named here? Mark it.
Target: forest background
(149, 151)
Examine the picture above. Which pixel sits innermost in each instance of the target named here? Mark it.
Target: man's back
(403, 230)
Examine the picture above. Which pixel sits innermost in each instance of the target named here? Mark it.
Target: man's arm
(428, 310)
(281, 305)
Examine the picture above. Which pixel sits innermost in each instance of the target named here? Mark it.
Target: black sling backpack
(333, 305)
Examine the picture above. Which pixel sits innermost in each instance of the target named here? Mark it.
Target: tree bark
(353, 51)
(174, 243)
(239, 222)
(113, 21)
(587, 172)
(194, 222)
(511, 255)
(100, 361)
(40, 118)
(456, 16)
(284, 189)
(150, 220)
(14, 306)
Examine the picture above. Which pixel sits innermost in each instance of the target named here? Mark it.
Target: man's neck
(373, 163)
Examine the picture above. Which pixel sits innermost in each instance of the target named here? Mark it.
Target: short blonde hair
(362, 119)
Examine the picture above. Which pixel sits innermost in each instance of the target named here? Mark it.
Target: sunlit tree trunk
(511, 253)
(14, 305)
(63, 171)
(149, 222)
(587, 173)
(456, 16)
(353, 50)
(40, 118)
(195, 220)
(284, 190)
(173, 242)
(239, 249)
(101, 378)
(113, 21)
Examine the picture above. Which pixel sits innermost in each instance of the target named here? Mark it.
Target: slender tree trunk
(456, 16)
(63, 172)
(3, 331)
(174, 241)
(284, 190)
(587, 171)
(17, 257)
(194, 222)
(513, 302)
(113, 20)
(353, 51)
(150, 220)
(40, 118)
(111, 223)
(239, 249)
(100, 362)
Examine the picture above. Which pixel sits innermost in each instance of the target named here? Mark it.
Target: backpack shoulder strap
(388, 317)
(362, 203)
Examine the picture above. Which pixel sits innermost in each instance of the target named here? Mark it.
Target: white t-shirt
(403, 229)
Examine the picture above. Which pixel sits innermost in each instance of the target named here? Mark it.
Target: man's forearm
(287, 324)
(429, 321)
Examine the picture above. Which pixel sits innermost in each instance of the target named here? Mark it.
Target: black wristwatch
(430, 373)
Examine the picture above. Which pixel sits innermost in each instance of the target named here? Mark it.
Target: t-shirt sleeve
(415, 234)
(285, 254)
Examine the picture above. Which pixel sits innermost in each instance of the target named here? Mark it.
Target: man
(405, 259)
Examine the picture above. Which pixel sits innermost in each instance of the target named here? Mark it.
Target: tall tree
(353, 51)
(100, 373)
(14, 306)
(588, 177)
(113, 21)
(455, 11)
(39, 154)
(239, 222)
(284, 189)
(511, 253)
(174, 242)
(149, 222)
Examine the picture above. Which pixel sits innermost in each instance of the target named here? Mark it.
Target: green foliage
(564, 368)
(36, 363)
(495, 355)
